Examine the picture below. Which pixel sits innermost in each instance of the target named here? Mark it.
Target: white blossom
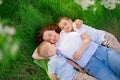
(1, 2)
(110, 4)
(9, 30)
(94, 9)
(85, 3)
(1, 55)
(10, 46)
(118, 1)
(1, 29)
(14, 49)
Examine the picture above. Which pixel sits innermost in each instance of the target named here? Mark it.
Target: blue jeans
(101, 66)
(114, 61)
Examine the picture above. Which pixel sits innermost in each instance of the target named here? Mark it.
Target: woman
(50, 27)
(97, 60)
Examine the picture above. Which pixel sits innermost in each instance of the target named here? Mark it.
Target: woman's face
(51, 36)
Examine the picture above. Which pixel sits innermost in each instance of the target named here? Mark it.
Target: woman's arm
(84, 45)
(35, 55)
(53, 77)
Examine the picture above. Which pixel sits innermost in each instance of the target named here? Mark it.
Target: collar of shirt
(57, 54)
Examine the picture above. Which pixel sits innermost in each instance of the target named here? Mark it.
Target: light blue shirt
(58, 65)
(94, 34)
(69, 44)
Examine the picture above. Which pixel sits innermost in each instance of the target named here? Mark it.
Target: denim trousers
(114, 61)
(104, 64)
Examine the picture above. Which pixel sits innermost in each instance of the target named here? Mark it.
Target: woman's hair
(43, 49)
(39, 36)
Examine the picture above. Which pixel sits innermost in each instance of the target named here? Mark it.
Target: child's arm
(84, 45)
(78, 23)
(75, 65)
(53, 77)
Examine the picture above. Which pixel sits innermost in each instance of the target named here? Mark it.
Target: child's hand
(78, 23)
(76, 56)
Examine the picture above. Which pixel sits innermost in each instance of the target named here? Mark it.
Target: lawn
(27, 16)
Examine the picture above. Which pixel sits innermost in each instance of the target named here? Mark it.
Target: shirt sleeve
(79, 31)
(52, 67)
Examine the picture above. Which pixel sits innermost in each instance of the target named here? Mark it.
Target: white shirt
(94, 34)
(69, 44)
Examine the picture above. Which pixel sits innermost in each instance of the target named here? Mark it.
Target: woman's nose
(52, 37)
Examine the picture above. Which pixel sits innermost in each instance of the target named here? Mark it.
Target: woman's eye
(65, 24)
(49, 35)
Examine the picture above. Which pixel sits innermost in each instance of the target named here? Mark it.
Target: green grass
(27, 16)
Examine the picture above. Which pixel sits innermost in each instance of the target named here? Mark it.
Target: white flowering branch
(109, 4)
(9, 45)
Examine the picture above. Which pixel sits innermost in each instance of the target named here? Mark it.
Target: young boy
(98, 36)
(58, 64)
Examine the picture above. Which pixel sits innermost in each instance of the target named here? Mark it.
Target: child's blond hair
(43, 49)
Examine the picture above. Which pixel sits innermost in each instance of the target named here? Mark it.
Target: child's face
(66, 25)
(52, 49)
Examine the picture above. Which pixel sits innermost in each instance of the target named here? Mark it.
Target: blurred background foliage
(27, 16)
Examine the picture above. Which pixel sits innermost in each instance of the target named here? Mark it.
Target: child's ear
(49, 51)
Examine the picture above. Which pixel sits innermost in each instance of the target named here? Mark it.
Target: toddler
(98, 36)
(58, 64)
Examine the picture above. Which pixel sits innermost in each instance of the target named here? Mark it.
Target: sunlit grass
(27, 16)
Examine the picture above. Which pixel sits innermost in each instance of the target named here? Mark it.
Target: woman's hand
(84, 45)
